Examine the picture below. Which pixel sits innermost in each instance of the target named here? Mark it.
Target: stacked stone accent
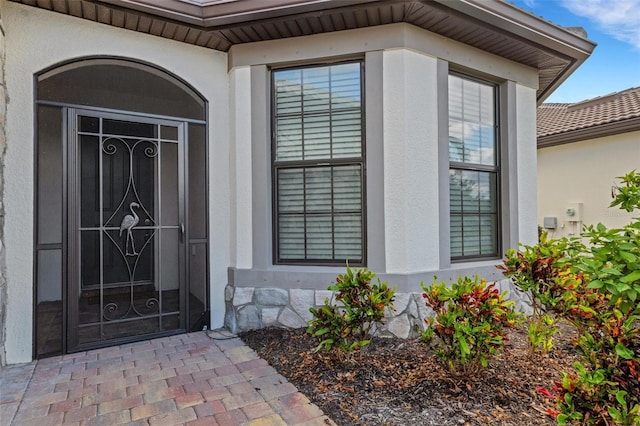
(252, 308)
(3, 144)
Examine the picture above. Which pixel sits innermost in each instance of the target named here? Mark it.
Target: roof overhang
(491, 25)
(593, 132)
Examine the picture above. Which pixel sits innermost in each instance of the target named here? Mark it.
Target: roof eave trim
(593, 132)
(558, 80)
(553, 38)
(214, 16)
(517, 21)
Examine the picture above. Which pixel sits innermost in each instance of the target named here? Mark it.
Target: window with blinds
(473, 169)
(318, 164)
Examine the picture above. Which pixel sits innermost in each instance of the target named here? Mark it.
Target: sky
(614, 25)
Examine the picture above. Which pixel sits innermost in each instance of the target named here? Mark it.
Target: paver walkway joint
(209, 378)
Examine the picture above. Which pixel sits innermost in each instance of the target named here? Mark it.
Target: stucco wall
(525, 122)
(406, 74)
(241, 173)
(64, 38)
(3, 282)
(407, 163)
(585, 172)
(406, 71)
(410, 131)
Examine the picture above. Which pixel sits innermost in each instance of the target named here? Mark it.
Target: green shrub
(534, 270)
(540, 331)
(609, 320)
(628, 195)
(362, 305)
(596, 288)
(470, 323)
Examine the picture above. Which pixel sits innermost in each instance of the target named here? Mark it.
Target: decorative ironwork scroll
(112, 311)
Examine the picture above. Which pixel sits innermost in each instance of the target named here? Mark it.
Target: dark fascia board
(593, 132)
(507, 17)
(558, 80)
(525, 25)
(498, 15)
(549, 37)
(275, 9)
(213, 15)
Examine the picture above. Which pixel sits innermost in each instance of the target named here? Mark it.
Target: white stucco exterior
(240, 160)
(32, 47)
(405, 73)
(526, 161)
(585, 172)
(410, 93)
(403, 121)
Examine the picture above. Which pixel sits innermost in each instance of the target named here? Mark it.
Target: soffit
(493, 26)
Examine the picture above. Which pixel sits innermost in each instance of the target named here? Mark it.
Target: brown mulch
(401, 382)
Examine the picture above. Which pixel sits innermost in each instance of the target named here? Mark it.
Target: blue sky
(615, 26)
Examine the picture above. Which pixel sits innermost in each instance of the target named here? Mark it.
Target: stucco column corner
(3, 282)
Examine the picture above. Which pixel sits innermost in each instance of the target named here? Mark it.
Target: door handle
(182, 232)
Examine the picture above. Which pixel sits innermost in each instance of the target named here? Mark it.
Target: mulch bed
(401, 382)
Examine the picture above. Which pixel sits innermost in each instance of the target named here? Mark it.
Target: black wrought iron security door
(126, 216)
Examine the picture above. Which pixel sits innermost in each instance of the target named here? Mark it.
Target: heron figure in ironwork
(128, 222)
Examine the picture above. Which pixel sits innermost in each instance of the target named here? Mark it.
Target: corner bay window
(473, 169)
(318, 164)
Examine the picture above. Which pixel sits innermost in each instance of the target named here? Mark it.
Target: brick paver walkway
(188, 379)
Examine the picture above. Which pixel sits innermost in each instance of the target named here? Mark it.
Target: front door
(126, 211)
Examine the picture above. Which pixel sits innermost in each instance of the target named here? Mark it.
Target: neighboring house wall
(406, 71)
(32, 47)
(585, 172)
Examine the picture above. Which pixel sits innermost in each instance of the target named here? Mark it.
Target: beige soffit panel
(495, 26)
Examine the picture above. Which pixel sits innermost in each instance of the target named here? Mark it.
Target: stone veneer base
(251, 308)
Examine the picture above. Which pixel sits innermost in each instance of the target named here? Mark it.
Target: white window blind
(473, 174)
(318, 164)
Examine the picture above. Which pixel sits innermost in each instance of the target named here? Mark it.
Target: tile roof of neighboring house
(559, 123)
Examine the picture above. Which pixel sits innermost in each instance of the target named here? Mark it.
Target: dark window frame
(495, 169)
(277, 165)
